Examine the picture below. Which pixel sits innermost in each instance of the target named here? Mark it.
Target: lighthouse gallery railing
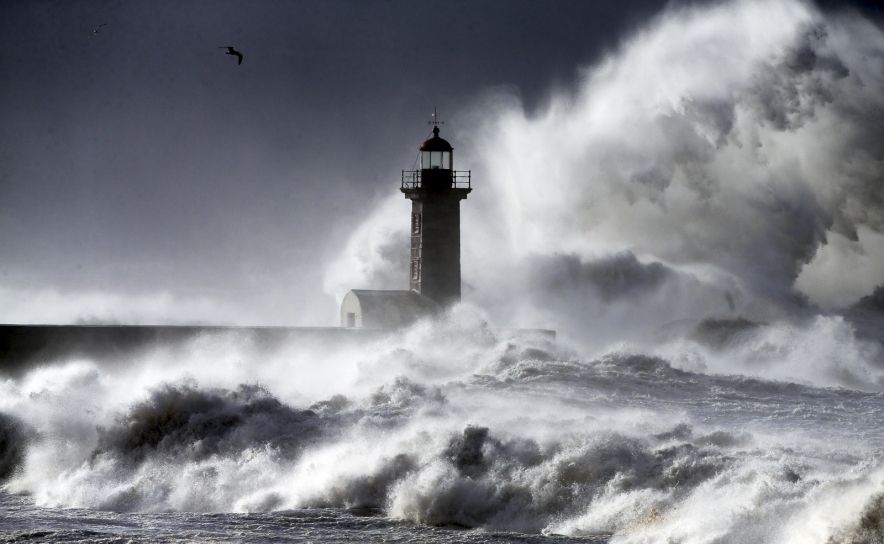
(460, 179)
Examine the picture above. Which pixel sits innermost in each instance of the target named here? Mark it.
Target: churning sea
(723, 431)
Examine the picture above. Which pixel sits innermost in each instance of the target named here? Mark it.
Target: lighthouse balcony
(436, 179)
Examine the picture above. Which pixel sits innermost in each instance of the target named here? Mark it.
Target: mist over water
(700, 220)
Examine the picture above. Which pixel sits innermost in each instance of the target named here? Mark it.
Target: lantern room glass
(433, 160)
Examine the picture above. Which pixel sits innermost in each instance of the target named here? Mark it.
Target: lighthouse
(435, 191)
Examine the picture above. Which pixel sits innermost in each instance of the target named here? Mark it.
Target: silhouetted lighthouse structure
(435, 192)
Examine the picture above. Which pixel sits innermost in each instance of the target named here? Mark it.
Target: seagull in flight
(95, 32)
(232, 51)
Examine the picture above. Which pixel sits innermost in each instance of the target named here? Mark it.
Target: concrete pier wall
(24, 346)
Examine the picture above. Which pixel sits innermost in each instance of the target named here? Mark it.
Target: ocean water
(448, 432)
(23, 522)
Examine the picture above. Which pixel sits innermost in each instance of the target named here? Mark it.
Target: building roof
(436, 143)
(393, 309)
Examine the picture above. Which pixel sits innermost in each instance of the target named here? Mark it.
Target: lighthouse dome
(436, 143)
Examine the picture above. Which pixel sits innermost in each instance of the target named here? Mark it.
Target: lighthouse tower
(435, 192)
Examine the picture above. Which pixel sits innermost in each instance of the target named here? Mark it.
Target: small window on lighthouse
(415, 223)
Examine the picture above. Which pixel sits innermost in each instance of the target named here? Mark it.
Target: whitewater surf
(446, 433)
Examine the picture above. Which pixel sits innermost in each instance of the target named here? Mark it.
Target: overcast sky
(142, 170)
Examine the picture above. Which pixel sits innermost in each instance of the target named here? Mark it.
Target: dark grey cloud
(143, 159)
(610, 278)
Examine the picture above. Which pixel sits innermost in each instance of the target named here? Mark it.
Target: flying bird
(232, 51)
(95, 32)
